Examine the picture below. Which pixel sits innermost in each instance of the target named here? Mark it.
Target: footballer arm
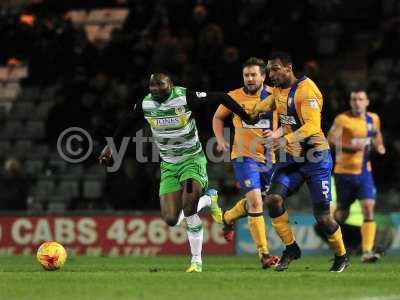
(266, 105)
(197, 99)
(218, 127)
(335, 138)
(311, 115)
(131, 122)
(378, 143)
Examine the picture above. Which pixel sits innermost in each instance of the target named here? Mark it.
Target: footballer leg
(280, 222)
(192, 191)
(257, 228)
(283, 182)
(368, 232)
(239, 210)
(210, 200)
(318, 176)
(319, 185)
(171, 206)
(333, 233)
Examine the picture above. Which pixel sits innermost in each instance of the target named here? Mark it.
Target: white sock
(204, 201)
(195, 235)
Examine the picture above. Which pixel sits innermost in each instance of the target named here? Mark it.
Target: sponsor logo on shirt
(364, 141)
(287, 120)
(262, 124)
(180, 110)
(172, 121)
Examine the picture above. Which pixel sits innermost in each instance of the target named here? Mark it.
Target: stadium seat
(5, 147)
(12, 129)
(44, 187)
(34, 167)
(48, 94)
(22, 110)
(29, 93)
(6, 104)
(39, 152)
(42, 110)
(21, 72)
(13, 74)
(3, 73)
(35, 130)
(57, 165)
(99, 32)
(68, 188)
(57, 204)
(92, 189)
(74, 170)
(76, 16)
(9, 90)
(3, 114)
(22, 148)
(96, 171)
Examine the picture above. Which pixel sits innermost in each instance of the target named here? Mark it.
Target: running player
(353, 133)
(248, 156)
(304, 156)
(168, 110)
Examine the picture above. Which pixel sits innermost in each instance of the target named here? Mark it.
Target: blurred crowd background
(86, 63)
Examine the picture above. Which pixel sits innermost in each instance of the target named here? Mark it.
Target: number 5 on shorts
(325, 188)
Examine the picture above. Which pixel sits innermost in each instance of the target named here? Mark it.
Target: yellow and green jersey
(173, 127)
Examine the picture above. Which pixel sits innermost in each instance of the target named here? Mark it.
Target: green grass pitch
(224, 278)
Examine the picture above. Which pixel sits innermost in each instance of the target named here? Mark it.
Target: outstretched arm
(266, 105)
(197, 99)
(131, 122)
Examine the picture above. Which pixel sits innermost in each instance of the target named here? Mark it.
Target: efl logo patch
(313, 103)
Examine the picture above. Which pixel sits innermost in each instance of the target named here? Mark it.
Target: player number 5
(325, 188)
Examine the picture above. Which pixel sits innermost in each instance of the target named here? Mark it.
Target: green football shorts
(172, 175)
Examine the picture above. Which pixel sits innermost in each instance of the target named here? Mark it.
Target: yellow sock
(258, 233)
(368, 231)
(282, 227)
(236, 212)
(336, 242)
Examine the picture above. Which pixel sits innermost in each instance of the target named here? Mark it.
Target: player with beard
(251, 162)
